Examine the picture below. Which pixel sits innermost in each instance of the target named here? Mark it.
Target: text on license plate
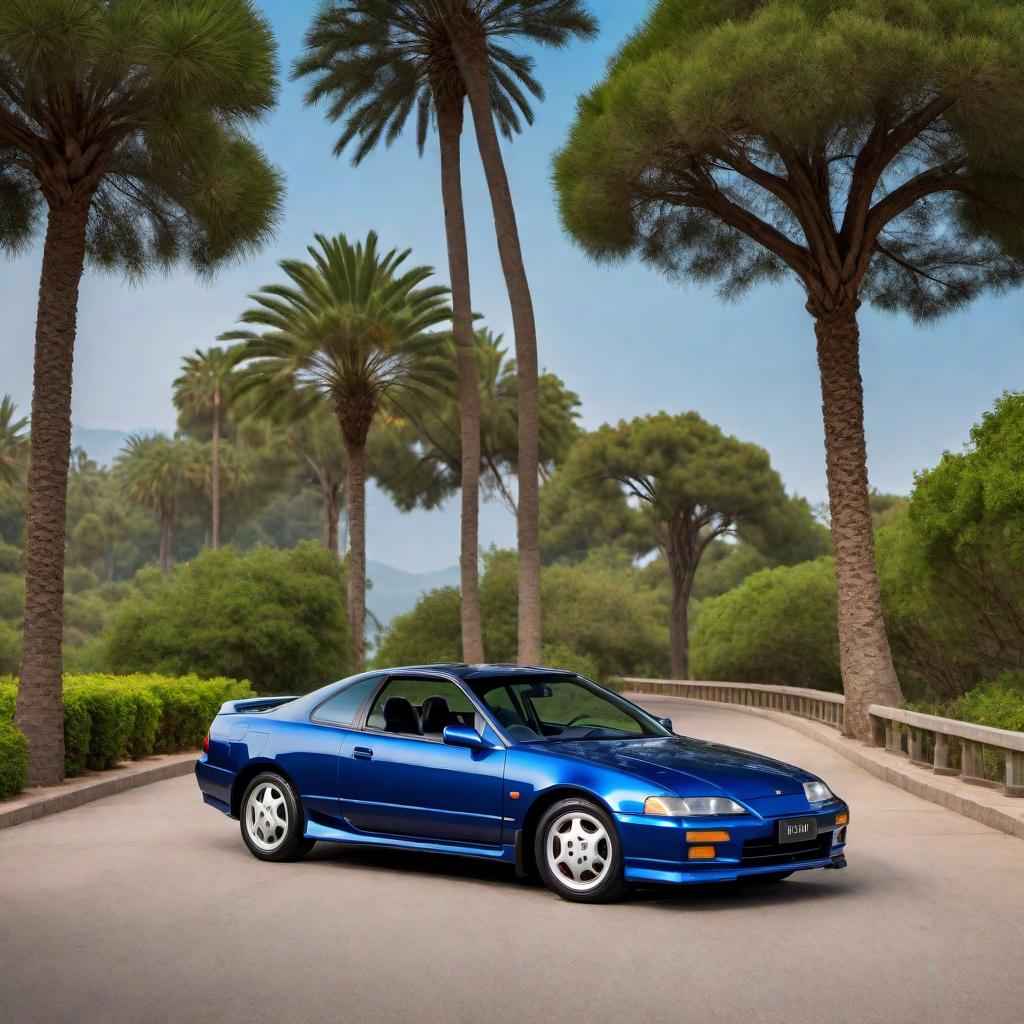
(797, 830)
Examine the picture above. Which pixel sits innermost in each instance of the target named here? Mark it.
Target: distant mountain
(396, 591)
(101, 443)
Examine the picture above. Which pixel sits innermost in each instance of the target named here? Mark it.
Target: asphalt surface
(145, 907)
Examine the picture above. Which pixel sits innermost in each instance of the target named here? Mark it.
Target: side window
(341, 709)
(420, 707)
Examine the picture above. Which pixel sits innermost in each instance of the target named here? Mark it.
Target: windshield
(543, 708)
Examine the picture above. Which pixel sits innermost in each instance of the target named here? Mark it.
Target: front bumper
(656, 849)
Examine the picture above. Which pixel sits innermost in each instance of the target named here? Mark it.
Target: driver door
(396, 779)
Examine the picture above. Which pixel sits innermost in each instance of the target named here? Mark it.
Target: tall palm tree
(154, 470)
(122, 131)
(204, 389)
(349, 329)
(13, 442)
(478, 32)
(380, 63)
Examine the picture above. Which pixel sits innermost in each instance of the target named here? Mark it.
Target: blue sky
(628, 341)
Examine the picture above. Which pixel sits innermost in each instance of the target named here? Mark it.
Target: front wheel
(272, 820)
(578, 852)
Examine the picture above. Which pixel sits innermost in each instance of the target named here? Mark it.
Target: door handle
(363, 753)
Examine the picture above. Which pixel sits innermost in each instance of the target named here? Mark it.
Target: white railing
(908, 733)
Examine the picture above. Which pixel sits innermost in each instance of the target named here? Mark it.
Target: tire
(272, 820)
(765, 879)
(573, 865)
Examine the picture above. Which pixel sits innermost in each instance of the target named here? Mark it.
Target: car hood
(690, 767)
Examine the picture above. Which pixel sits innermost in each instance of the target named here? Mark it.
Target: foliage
(13, 758)
(898, 175)
(110, 718)
(142, 106)
(275, 617)
(13, 443)
(951, 568)
(434, 416)
(778, 626)
(601, 619)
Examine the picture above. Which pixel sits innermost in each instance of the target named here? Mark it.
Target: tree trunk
(678, 631)
(449, 123)
(215, 472)
(40, 703)
(357, 551)
(472, 58)
(330, 493)
(864, 656)
(166, 542)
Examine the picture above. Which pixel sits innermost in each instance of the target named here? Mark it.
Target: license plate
(798, 830)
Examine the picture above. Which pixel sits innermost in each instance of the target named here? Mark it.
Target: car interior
(421, 707)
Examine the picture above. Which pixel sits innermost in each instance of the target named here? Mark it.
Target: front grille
(768, 851)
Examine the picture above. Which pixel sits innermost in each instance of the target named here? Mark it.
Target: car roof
(464, 671)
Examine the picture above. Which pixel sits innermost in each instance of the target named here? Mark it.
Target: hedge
(13, 759)
(110, 718)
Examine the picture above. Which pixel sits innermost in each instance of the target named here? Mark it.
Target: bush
(599, 620)
(13, 759)
(10, 648)
(113, 718)
(778, 626)
(275, 617)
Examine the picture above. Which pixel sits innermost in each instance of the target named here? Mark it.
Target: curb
(895, 773)
(32, 804)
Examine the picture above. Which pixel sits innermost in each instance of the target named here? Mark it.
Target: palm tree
(204, 389)
(350, 330)
(436, 421)
(478, 32)
(154, 470)
(13, 442)
(121, 130)
(379, 63)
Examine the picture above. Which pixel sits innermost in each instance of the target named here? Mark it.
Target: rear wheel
(578, 852)
(272, 820)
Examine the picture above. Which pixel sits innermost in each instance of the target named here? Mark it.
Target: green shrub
(13, 758)
(998, 703)
(600, 620)
(111, 718)
(275, 617)
(778, 626)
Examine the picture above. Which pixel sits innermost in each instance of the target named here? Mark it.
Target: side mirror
(665, 722)
(463, 736)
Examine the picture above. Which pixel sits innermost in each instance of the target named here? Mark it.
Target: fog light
(842, 818)
(839, 837)
(707, 837)
(701, 853)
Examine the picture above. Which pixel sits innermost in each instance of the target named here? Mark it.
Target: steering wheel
(577, 718)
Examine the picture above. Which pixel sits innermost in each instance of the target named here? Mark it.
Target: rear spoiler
(253, 705)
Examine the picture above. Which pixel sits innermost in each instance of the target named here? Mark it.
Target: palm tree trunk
(864, 656)
(40, 705)
(449, 124)
(357, 551)
(472, 58)
(330, 493)
(215, 473)
(166, 542)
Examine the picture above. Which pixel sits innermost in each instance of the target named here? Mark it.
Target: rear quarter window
(341, 709)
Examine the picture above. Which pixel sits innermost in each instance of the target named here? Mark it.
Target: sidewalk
(35, 803)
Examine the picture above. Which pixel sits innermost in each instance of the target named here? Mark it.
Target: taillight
(206, 743)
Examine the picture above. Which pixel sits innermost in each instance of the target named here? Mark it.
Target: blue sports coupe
(539, 768)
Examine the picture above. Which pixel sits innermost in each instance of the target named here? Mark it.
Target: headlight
(817, 792)
(691, 806)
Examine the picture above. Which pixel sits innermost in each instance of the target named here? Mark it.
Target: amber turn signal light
(707, 837)
(842, 817)
(701, 853)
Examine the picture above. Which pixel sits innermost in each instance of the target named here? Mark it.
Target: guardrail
(926, 740)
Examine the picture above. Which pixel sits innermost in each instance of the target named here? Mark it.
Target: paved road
(145, 908)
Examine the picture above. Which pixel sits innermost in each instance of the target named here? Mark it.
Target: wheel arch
(247, 774)
(525, 856)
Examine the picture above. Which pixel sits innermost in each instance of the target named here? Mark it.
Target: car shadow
(813, 887)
